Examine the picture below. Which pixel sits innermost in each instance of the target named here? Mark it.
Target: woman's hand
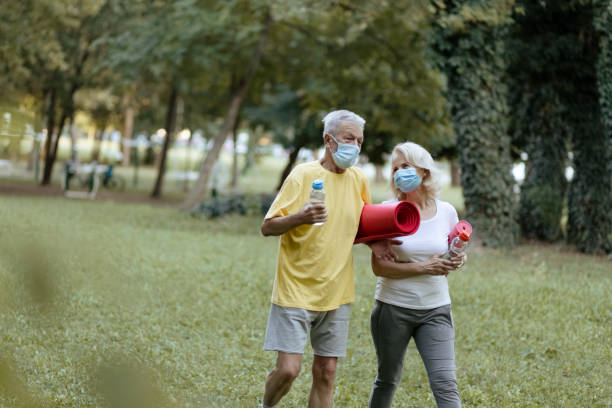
(460, 260)
(436, 265)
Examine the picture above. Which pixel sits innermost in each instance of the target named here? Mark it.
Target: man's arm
(381, 249)
(311, 213)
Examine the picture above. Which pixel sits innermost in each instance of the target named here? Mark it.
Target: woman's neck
(417, 197)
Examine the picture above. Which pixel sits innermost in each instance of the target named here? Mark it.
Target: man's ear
(327, 140)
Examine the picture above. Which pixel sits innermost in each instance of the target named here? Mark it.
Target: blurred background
(176, 99)
(119, 119)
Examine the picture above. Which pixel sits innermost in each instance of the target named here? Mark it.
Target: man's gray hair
(333, 119)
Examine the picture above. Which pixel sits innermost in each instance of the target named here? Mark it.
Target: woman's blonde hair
(417, 156)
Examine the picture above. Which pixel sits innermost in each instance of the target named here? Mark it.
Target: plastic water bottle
(458, 245)
(317, 194)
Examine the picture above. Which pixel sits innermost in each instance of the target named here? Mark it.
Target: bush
(241, 204)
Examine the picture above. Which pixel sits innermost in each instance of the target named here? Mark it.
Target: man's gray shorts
(288, 329)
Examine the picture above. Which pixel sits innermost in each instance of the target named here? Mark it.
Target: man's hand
(382, 249)
(313, 212)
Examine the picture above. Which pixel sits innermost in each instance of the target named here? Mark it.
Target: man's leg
(323, 376)
(328, 336)
(279, 381)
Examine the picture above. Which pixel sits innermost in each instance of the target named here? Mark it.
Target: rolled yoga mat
(379, 221)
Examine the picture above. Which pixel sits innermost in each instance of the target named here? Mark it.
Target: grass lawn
(124, 305)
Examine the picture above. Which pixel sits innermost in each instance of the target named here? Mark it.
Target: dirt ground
(21, 188)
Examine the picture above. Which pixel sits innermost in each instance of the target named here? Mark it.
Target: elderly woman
(412, 298)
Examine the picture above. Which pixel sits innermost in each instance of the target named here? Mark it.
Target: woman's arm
(399, 270)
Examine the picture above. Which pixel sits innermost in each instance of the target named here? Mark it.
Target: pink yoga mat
(391, 220)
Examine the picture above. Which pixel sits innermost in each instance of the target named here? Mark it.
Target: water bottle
(458, 245)
(317, 194)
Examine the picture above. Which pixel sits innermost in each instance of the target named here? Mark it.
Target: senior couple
(314, 282)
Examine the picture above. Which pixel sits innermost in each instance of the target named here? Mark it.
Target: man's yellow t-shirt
(315, 263)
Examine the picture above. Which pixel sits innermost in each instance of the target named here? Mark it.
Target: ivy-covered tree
(470, 43)
(603, 23)
(539, 44)
(590, 194)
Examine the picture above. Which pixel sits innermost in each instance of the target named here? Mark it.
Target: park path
(18, 188)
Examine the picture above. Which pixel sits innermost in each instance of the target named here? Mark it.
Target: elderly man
(314, 282)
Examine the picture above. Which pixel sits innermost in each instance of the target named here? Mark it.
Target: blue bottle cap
(317, 185)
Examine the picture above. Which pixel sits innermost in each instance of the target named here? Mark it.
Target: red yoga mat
(379, 221)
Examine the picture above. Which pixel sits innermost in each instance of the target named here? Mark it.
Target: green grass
(103, 302)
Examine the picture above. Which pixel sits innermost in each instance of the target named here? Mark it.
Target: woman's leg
(435, 340)
(391, 334)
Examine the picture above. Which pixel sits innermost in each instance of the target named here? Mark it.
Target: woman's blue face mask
(406, 180)
(346, 155)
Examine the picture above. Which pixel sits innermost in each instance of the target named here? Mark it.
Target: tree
(54, 59)
(355, 55)
(470, 43)
(155, 47)
(587, 97)
(241, 76)
(283, 113)
(538, 49)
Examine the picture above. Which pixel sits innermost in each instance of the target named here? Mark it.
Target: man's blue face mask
(406, 180)
(346, 155)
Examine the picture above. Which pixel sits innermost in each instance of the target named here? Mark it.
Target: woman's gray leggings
(434, 335)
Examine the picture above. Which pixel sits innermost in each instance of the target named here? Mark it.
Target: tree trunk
(35, 154)
(97, 143)
(455, 173)
(589, 224)
(187, 163)
(50, 134)
(199, 189)
(50, 160)
(290, 163)
(379, 178)
(544, 189)
(479, 114)
(73, 139)
(249, 157)
(126, 138)
(234, 181)
(170, 122)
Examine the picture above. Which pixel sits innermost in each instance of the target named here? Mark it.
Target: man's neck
(328, 164)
